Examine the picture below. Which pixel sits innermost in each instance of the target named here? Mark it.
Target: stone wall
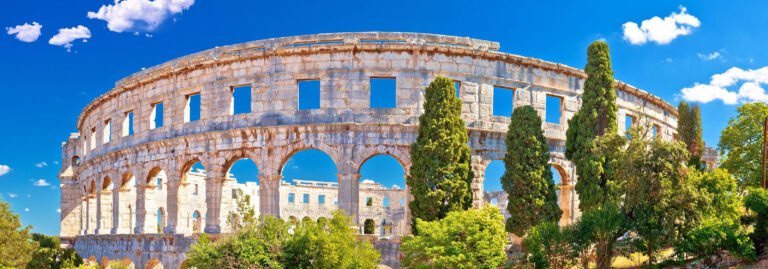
(109, 176)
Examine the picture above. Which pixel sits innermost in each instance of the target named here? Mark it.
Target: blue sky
(48, 79)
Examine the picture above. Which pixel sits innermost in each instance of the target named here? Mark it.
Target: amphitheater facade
(129, 190)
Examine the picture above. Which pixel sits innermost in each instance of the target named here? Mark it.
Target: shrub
(549, 246)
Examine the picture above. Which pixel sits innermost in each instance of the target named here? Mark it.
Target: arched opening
(153, 264)
(104, 262)
(155, 197)
(369, 226)
(126, 197)
(241, 183)
(105, 221)
(75, 161)
(564, 192)
(292, 220)
(493, 192)
(310, 185)
(382, 179)
(197, 222)
(306, 219)
(91, 208)
(191, 198)
(160, 220)
(386, 228)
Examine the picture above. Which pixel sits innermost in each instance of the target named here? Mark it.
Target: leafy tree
(253, 246)
(245, 213)
(16, 246)
(602, 226)
(714, 235)
(51, 255)
(723, 202)
(757, 202)
(332, 245)
(689, 131)
(741, 144)
(528, 175)
(440, 174)
(550, 246)
(463, 239)
(596, 117)
(654, 172)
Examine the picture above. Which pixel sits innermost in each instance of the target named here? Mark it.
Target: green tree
(714, 235)
(440, 174)
(596, 117)
(689, 131)
(332, 245)
(757, 202)
(551, 246)
(245, 214)
(463, 239)
(601, 226)
(723, 202)
(49, 254)
(741, 144)
(16, 245)
(253, 246)
(528, 175)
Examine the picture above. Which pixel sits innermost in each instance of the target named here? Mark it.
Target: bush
(757, 202)
(549, 246)
(713, 236)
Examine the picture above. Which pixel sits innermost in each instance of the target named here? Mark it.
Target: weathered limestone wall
(104, 163)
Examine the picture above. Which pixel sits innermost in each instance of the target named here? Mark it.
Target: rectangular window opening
(306, 198)
(192, 108)
(503, 101)
(321, 199)
(655, 131)
(93, 138)
(383, 92)
(241, 100)
(629, 123)
(107, 132)
(291, 198)
(457, 86)
(554, 109)
(309, 94)
(156, 116)
(128, 123)
(369, 201)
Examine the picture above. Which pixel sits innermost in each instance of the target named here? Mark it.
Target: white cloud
(56, 162)
(661, 31)
(26, 32)
(13, 195)
(41, 164)
(66, 36)
(58, 210)
(139, 15)
(26, 209)
(41, 183)
(4, 169)
(750, 90)
(709, 57)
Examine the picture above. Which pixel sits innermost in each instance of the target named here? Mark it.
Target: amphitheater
(129, 190)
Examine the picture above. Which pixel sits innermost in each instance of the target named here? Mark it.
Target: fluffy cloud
(13, 195)
(4, 169)
(660, 30)
(709, 57)
(26, 32)
(41, 164)
(749, 90)
(26, 209)
(58, 210)
(66, 36)
(41, 183)
(139, 15)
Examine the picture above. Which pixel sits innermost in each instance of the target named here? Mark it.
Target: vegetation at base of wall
(550, 246)
(49, 254)
(16, 244)
(440, 176)
(757, 204)
(527, 179)
(463, 239)
(690, 132)
(272, 243)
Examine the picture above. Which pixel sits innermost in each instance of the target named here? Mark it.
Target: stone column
(213, 188)
(116, 213)
(91, 213)
(566, 194)
(478, 168)
(83, 215)
(177, 206)
(105, 210)
(269, 195)
(141, 211)
(71, 208)
(349, 194)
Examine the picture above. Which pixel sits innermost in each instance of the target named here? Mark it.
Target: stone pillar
(269, 195)
(213, 188)
(71, 208)
(176, 205)
(83, 215)
(141, 211)
(478, 168)
(349, 194)
(105, 211)
(566, 196)
(98, 211)
(116, 211)
(91, 214)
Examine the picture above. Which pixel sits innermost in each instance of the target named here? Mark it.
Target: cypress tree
(528, 176)
(596, 117)
(440, 175)
(689, 131)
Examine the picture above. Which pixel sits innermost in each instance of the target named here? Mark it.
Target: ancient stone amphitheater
(129, 190)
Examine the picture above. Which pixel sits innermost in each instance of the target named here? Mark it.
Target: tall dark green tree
(690, 132)
(528, 175)
(596, 117)
(440, 174)
(16, 245)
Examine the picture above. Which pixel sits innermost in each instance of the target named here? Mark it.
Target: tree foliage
(714, 235)
(550, 246)
(596, 117)
(463, 239)
(328, 245)
(245, 213)
(741, 144)
(440, 174)
(757, 202)
(528, 175)
(689, 131)
(49, 254)
(16, 245)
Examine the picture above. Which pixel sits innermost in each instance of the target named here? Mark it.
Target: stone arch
(104, 262)
(197, 222)
(565, 192)
(564, 177)
(369, 226)
(105, 221)
(234, 183)
(190, 192)
(153, 197)
(91, 207)
(153, 263)
(292, 149)
(381, 195)
(125, 197)
(75, 161)
(401, 155)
